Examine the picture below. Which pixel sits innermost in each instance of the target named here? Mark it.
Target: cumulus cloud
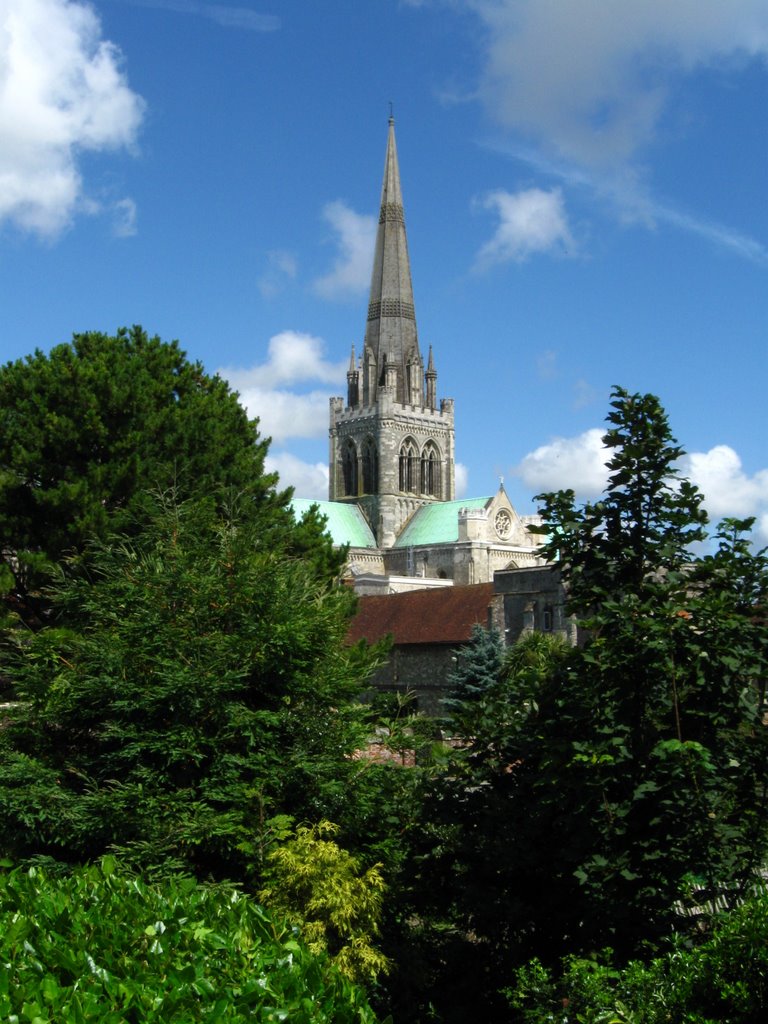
(589, 80)
(355, 238)
(308, 479)
(727, 489)
(294, 359)
(579, 463)
(284, 414)
(567, 462)
(62, 91)
(531, 221)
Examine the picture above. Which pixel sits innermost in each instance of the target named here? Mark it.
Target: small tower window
(408, 466)
(430, 470)
(370, 467)
(349, 469)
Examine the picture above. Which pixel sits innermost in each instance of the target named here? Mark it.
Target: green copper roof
(437, 523)
(346, 523)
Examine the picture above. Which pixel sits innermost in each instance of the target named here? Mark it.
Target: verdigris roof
(346, 523)
(437, 523)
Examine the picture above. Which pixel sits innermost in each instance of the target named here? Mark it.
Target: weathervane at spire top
(391, 113)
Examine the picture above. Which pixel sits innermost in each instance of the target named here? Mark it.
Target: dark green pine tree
(90, 428)
(191, 686)
(476, 670)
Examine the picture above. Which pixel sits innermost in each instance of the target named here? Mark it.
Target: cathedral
(392, 489)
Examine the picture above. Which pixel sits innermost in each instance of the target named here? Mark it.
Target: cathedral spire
(390, 336)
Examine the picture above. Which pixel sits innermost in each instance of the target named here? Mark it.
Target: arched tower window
(349, 469)
(430, 470)
(370, 467)
(408, 465)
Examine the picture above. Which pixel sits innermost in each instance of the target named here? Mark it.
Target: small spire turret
(353, 382)
(431, 376)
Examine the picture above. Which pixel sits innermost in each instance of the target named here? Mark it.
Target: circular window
(503, 523)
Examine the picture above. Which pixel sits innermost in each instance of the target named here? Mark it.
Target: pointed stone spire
(390, 335)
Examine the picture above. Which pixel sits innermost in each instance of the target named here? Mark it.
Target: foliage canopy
(88, 430)
(194, 684)
(597, 786)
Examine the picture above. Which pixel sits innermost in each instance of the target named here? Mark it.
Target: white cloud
(589, 80)
(531, 221)
(284, 414)
(567, 462)
(294, 359)
(727, 489)
(351, 271)
(62, 90)
(579, 463)
(309, 480)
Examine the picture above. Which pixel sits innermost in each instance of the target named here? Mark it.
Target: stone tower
(391, 444)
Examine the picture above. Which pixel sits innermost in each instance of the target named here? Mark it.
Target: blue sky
(585, 188)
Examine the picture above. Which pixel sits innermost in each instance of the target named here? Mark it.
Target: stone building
(428, 630)
(392, 486)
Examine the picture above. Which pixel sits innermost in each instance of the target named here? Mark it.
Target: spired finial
(391, 113)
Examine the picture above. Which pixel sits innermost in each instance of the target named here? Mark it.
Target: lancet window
(408, 466)
(370, 467)
(430, 470)
(349, 468)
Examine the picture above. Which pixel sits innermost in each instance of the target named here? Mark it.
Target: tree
(601, 786)
(89, 429)
(192, 685)
(655, 736)
(477, 670)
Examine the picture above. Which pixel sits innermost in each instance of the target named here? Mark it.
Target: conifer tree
(192, 685)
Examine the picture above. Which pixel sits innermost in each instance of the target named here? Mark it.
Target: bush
(723, 980)
(103, 947)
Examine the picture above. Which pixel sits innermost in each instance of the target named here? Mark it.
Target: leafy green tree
(193, 686)
(89, 429)
(600, 786)
(102, 946)
(655, 737)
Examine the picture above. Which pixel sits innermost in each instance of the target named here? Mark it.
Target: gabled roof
(346, 523)
(422, 616)
(437, 523)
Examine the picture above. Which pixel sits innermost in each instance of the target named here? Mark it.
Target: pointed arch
(370, 466)
(349, 468)
(409, 461)
(431, 463)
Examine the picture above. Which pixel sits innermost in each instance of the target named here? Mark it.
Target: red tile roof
(440, 616)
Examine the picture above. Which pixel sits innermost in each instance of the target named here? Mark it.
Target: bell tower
(391, 442)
